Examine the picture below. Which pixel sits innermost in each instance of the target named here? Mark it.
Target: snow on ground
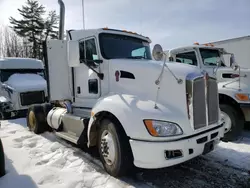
(34, 161)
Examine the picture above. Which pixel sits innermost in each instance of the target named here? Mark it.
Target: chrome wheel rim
(32, 120)
(108, 147)
(227, 120)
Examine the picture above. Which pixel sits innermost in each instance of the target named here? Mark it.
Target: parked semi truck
(239, 46)
(22, 83)
(105, 91)
(233, 82)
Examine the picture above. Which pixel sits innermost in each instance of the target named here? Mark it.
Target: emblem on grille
(206, 76)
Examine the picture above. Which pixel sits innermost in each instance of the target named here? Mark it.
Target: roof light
(196, 43)
(105, 28)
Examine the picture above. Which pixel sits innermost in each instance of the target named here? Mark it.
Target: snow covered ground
(45, 160)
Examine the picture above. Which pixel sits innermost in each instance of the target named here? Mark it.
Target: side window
(188, 58)
(139, 52)
(90, 47)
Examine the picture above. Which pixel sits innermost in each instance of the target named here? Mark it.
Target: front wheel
(234, 123)
(114, 149)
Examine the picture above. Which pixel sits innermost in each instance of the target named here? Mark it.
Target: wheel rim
(227, 120)
(32, 120)
(108, 147)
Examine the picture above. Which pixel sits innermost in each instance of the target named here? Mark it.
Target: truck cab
(106, 92)
(233, 82)
(22, 83)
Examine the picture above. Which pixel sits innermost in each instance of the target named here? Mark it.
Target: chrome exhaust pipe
(61, 19)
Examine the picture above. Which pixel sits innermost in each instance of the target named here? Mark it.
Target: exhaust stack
(62, 19)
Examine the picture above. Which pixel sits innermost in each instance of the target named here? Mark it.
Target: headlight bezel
(153, 132)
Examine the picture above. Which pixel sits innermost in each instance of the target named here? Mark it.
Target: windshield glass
(114, 46)
(210, 56)
(6, 73)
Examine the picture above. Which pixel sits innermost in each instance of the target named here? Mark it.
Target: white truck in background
(239, 46)
(105, 91)
(22, 83)
(233, 82)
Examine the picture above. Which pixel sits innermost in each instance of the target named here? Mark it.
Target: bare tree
(11, 45)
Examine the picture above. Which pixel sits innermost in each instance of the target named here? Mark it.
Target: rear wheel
(47, 107)
(114, 149)
(234, 122)
(2, 161)
(36, 121)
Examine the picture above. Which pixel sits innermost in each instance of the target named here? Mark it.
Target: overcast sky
(171, 23)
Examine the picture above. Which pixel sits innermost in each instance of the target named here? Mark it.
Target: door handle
(78, 90)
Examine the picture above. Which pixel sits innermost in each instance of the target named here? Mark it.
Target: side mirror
(232, 60)
(233, 63)
(73, 53)
(218, 62)
(157, 52)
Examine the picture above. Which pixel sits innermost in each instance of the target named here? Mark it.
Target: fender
(130, 110)
(231, 89)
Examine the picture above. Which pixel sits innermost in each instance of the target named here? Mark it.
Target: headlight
(162, 128)
(242, 96)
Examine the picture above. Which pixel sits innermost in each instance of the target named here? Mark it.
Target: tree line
(24, 37)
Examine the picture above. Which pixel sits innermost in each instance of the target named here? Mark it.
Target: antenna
(83, 20)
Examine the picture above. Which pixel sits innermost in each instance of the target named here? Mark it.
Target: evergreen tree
(51, 28)
(34, 27)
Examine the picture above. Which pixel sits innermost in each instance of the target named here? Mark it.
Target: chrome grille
(199, 103)
(212, 101)
(204, 105)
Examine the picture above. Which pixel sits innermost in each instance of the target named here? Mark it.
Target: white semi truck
(239, 46)
(233, 82)
(22, 83)
(105, 91)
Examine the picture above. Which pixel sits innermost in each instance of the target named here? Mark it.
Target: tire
(46, 108)
(36, 119)
(122, 160)
(2, 160)
(237, 123)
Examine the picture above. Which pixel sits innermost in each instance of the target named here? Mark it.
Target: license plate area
(208, 147)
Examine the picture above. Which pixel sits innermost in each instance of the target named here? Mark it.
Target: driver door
(87, 83)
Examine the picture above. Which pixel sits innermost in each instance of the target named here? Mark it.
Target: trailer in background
(239, 46)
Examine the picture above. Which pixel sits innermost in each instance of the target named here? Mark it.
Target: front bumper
(153, 154)
(246, 110)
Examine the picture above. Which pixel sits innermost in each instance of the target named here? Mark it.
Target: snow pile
(3, 99)
(40, 161)
(236, 154)
(44, 161)
(26, 82)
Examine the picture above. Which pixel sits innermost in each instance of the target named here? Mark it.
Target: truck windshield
(210, 56)
(6, 73)
(114, 46)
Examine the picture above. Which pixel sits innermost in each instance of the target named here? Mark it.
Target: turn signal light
(242, 97)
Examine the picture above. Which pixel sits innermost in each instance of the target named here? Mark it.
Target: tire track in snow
(46, 151)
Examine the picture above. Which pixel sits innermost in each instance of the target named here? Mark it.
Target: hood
(137, 77)
(26, 82)
(228, 74)
(229, 78)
